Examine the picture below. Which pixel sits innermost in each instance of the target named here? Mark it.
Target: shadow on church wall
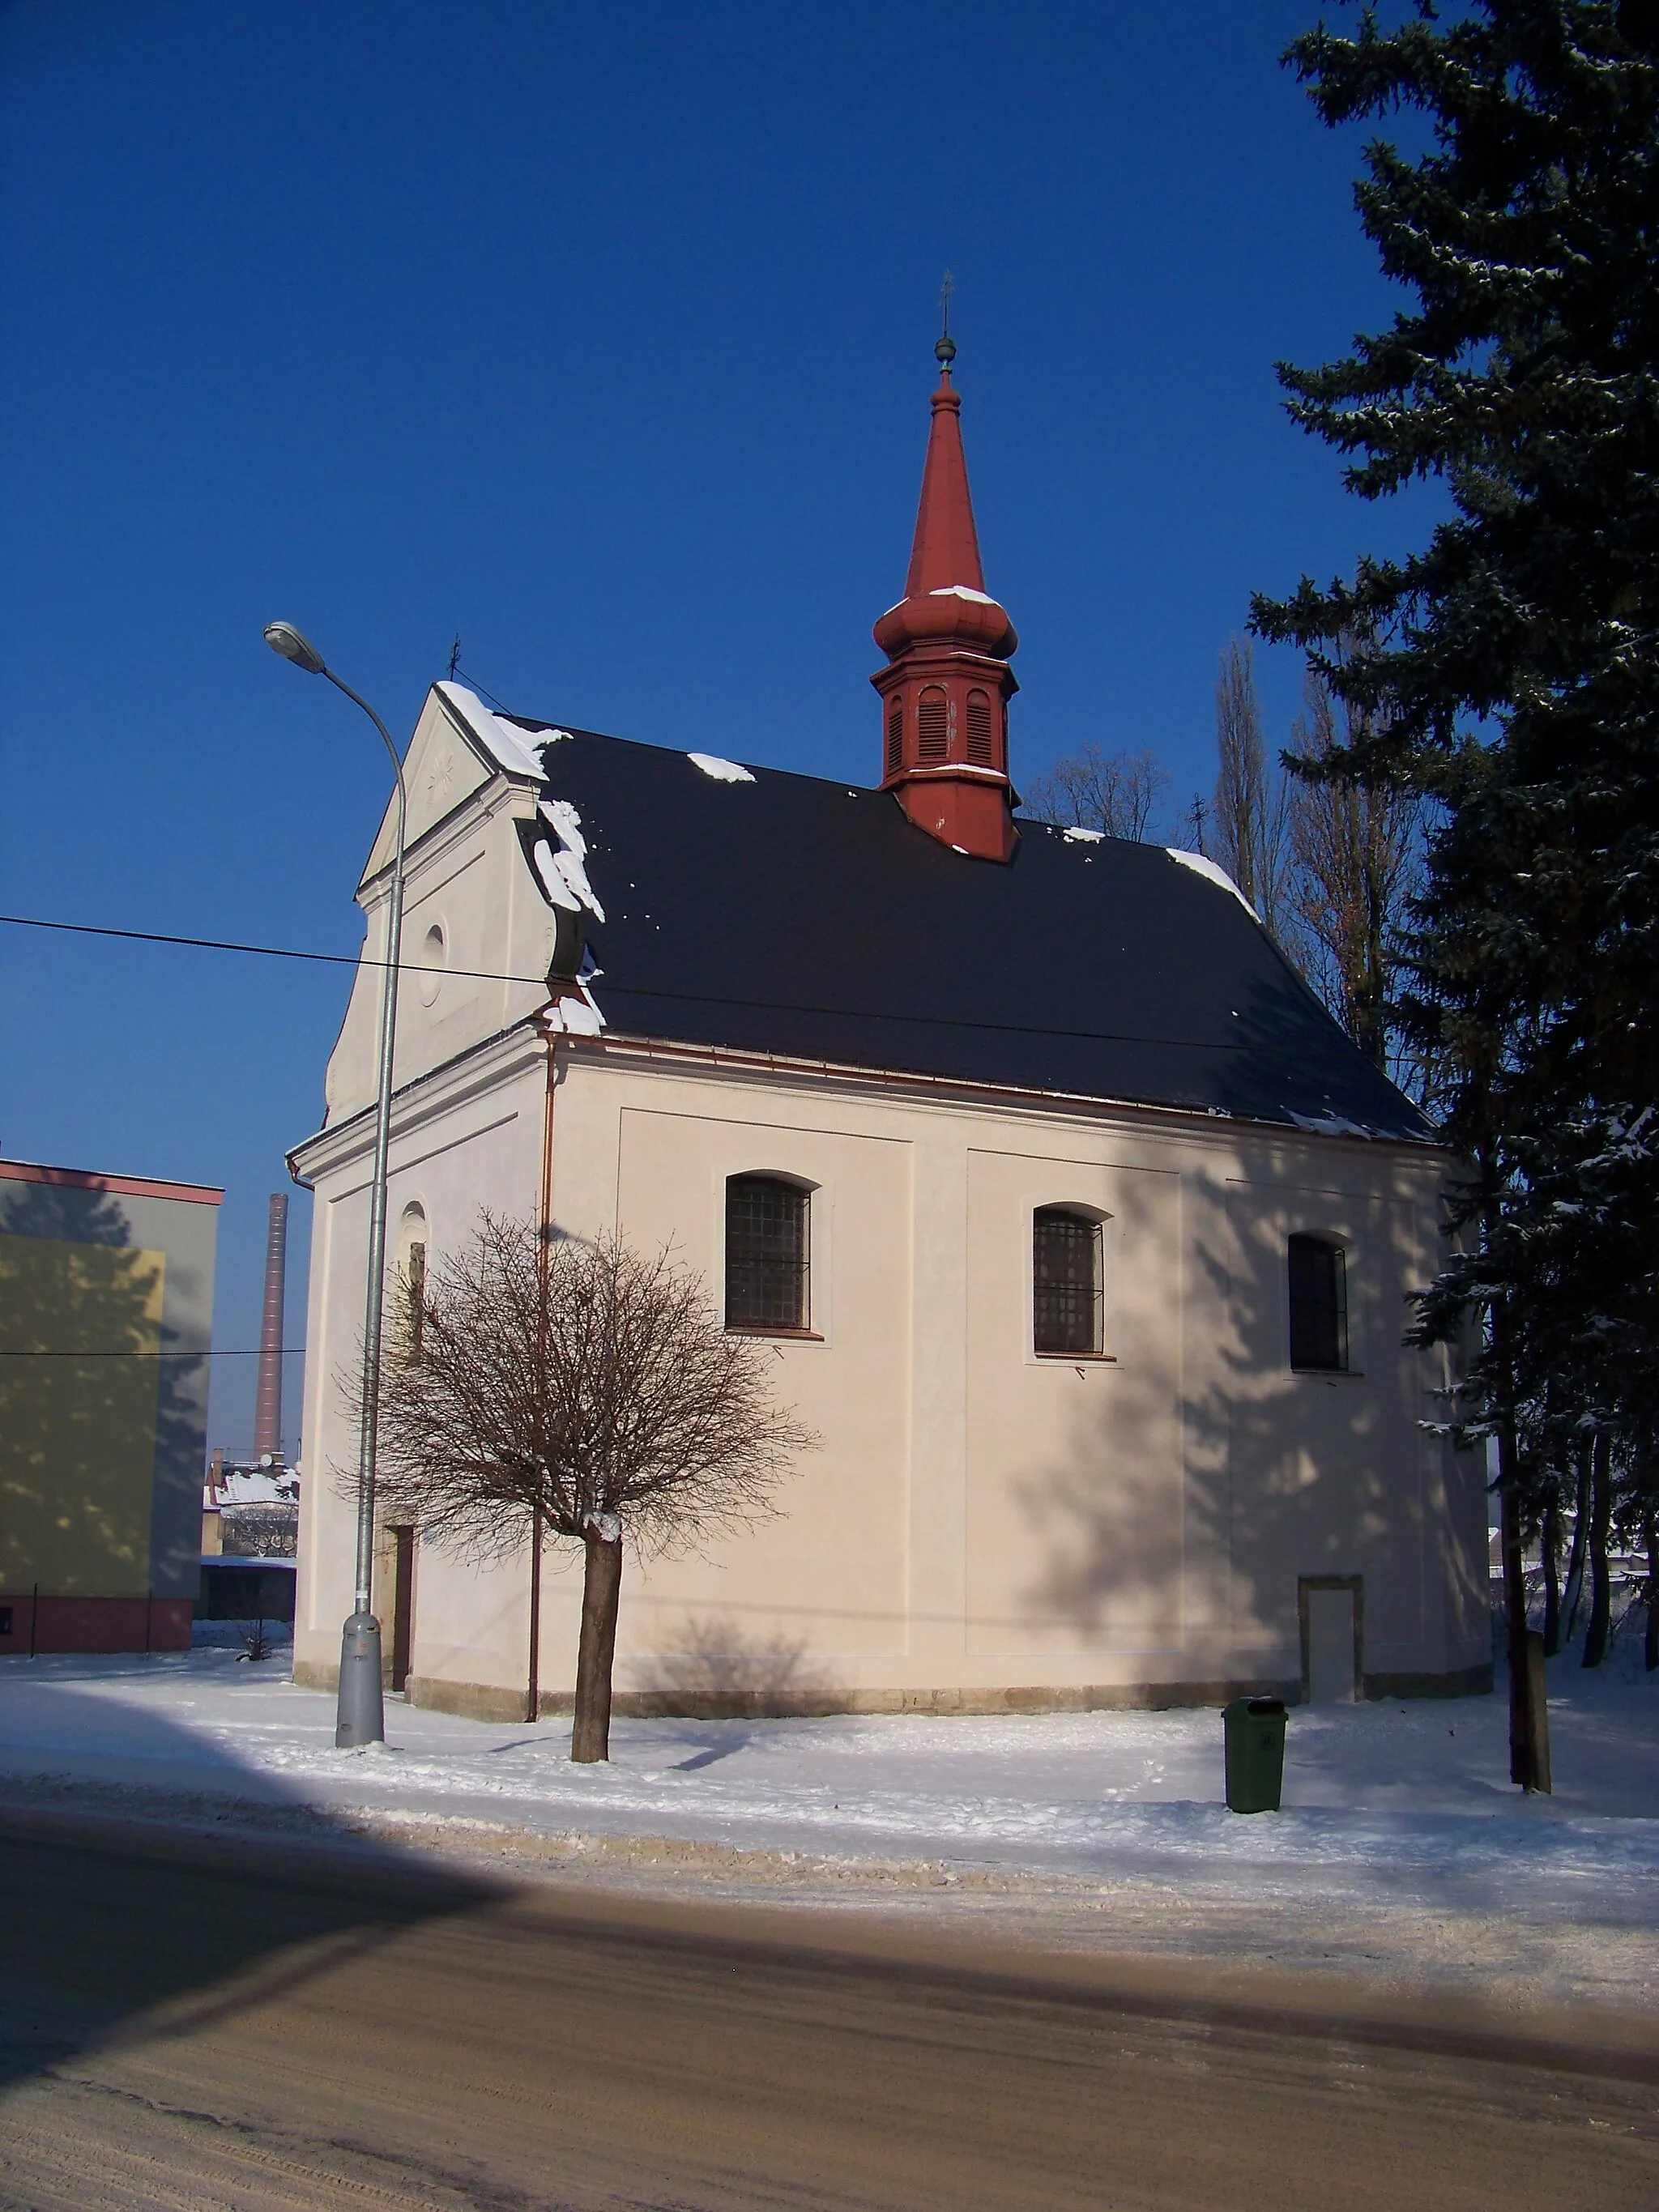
(1286, 1474)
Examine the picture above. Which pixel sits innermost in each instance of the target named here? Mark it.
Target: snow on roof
(1076, 836)
(961, 591)
(957, 769)
(575, 1011)
(254, 1486)
(561, 854)
(515, 750)
(1331, 1125)
(1201, 864)
(723, 771)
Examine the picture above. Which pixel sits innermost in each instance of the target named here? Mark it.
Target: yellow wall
(77, 1434)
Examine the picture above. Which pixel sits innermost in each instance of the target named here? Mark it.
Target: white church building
(1081, 1233)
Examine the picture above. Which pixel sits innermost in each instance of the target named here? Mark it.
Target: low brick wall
(93, 1624)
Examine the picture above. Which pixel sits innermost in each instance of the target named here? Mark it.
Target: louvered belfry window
(979, 727)
(895, 736)
(1067, 1292)
(933, 725)
(768, 1255)
(1319, 1304)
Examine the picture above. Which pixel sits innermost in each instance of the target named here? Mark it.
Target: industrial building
(106, 1327)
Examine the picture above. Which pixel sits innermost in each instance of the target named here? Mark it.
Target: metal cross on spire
(945, 351)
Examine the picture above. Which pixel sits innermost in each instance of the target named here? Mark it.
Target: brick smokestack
(268, 1404)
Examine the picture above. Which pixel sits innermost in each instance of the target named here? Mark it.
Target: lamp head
(283, 637)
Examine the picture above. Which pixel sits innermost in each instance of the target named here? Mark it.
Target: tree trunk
(1575, 1588)
(533, 1695)
(1650, 1532)
(1600, 1519)
(1528, 1715)
(1538, 1697)
(1549, 1543)
(590, 1738)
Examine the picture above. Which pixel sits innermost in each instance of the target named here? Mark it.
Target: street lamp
(360, 1714)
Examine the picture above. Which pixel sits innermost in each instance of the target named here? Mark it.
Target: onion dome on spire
(945, 692)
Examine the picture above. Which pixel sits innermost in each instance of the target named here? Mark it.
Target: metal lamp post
(361, 1715)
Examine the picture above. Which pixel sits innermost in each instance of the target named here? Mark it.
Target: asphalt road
(194, 2024)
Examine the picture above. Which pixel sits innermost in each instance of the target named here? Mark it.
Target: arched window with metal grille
(933, 725)
(410, 1273)
(768, 1255)
(1068, 1283)
(1318, 1271)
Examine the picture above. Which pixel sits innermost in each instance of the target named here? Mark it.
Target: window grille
(1068, 1291)
(932, 726)
(767, 1254)
(1319, 1304)
(894, 736)
(415, 1281)
(979, 728)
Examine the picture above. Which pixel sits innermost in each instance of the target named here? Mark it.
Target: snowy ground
(1402, 1843)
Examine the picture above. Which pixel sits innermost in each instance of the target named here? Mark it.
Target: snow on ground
(1418, 1788)
(1399, 1826)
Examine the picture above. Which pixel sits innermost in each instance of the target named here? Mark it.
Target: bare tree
(1112, 793)
(587, 1391)
(1355, 856)
(1250, 822)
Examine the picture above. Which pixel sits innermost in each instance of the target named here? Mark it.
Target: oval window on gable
(1067, 1285)
(768, 1255)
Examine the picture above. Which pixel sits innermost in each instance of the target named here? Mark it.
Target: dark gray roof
(793, 915)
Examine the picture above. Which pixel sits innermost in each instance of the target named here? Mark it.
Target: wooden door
(402, 1624)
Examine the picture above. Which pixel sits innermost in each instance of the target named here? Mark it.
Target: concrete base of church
(39, 1625)
(483, 1701)
(1464, 1683)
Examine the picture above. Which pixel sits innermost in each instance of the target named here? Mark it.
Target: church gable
(459, 747)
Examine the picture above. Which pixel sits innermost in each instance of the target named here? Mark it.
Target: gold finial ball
(945, 351)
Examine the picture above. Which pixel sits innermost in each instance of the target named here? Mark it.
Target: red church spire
(945, 692)
(945, 550)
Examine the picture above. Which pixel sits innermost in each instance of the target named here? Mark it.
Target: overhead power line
(657, 991)
(212, 1353)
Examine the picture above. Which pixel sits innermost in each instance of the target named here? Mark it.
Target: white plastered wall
(980, 1524)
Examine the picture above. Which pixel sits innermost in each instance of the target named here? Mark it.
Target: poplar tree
(1251, 812)
(1509, 669)
(1354, 852)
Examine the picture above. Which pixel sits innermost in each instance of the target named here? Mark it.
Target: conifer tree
(1509, 668)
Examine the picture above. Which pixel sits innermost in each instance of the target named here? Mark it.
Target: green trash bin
(1254, 1732)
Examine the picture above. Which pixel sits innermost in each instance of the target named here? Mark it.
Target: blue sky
(602, 337)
